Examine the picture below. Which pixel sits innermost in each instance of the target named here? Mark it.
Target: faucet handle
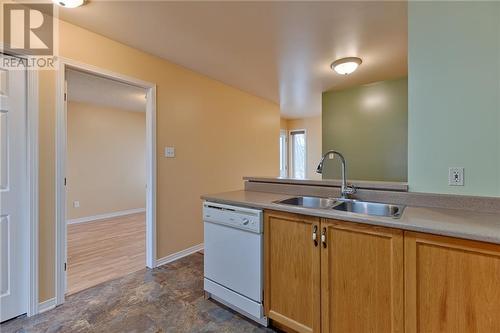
(350, 189)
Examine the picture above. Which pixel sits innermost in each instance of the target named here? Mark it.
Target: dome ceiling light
(346, 66)
(70, 3)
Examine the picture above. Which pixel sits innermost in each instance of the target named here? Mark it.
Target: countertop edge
(352, 217)
(362, 184)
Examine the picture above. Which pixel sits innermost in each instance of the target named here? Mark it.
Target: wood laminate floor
(103, 250)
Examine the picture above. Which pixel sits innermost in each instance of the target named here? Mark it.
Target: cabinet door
(361, 278)
(292, 271)
(451, 285)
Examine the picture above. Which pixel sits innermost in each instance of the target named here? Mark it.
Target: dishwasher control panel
(233, 216)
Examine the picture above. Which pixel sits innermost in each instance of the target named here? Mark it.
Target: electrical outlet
(456, 176)
(76, 204)
(170, 152)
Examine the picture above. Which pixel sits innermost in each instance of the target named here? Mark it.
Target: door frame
(61, 132)
(32, 110)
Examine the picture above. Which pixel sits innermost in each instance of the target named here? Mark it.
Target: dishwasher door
(233, 259)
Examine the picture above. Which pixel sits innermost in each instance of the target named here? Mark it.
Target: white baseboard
(47, 305)
(106, 216)
(179, 255)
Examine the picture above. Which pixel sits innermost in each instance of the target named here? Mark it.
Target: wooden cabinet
(351, 282)
(451, 285)
(361, 278)
(292, 271)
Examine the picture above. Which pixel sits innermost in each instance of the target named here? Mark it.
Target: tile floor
(166, 299)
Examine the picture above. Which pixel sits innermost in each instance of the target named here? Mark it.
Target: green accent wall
(368, 124)
(454, 96)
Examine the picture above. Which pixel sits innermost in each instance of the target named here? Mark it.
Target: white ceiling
(277, 50)
(87, 88)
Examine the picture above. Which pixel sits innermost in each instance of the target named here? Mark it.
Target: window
(283, 154)
(298, 153)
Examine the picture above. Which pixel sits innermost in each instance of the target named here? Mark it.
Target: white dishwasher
(234, 258)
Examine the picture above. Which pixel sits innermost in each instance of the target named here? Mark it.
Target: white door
(13, 194)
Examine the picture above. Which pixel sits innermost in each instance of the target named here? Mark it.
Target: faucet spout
(345, 189)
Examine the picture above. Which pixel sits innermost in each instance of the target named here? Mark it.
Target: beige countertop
(447, 222)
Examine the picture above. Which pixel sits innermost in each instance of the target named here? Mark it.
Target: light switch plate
(456, 176)
(170, 152)
(76, 204)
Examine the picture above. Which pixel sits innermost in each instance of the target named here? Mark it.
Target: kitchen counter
(446, 222)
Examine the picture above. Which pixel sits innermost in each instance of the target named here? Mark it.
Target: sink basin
(309, 202)
(370, 208)
(346, 205)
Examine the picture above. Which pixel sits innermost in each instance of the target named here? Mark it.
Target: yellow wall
(283, 123)
(106, 160)
(312, 125)
(46, 175)
(220, 134)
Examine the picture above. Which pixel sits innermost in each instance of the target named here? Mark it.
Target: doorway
(105, 177)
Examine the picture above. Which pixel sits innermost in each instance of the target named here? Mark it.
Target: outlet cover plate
(170, 152)
(456, 176)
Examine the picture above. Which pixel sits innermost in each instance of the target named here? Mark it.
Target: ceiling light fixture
(70, 3)
(346, 66)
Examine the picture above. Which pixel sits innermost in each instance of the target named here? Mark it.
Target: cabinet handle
(323, 237)
(315, 235)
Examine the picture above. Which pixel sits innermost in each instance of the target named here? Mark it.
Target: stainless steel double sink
(346, 205)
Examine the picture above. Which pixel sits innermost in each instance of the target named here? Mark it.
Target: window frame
(284, 172)
(292, 132)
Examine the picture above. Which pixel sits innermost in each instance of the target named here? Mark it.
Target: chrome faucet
(345, 190)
